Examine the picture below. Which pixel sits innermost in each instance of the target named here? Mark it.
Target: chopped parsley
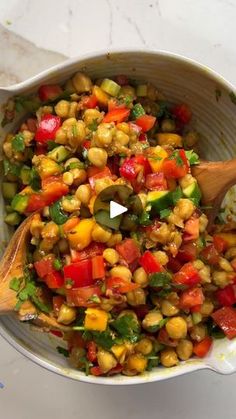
(176, 195)
(69, 281)
(127, 328)
(144, 219)
(15, 284)
(192, 157)
(94, 125)
(18, 142)
(57, 264)
(94, 299)
(35, 181)
(159, 279)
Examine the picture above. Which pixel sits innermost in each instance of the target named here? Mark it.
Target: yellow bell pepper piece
(137, 362)
(47, 167)
(101, 96)
(156, 156)
(230, 238)
(81, 235)
(119, 351)
(171, 139)
(96, 319)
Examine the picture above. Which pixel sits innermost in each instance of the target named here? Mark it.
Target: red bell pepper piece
(146, 122)
(47, 128)
(120, 285)
(117, 115)
(149, 263)
(44, 266)
(164, 338)
(225, 318)
(128, 250)
(187, 275)
(202, 348)
(96, 371)
(94, 249)
(49, 92)
(187, 252)
(89, 102)
(176, 166)
(127, 169)
(86, 144)
(210, 255)
(80, 297)
(226, 296)
(35, 202)
(156, 182)
(92, 351)
(113, 105)
(80, 273)
(183, 113)
(95, 173)
(53, 189)
(220, 244)
(57, 301)
(54, 280)
(191, 298)
(191, 229)
(98, 267)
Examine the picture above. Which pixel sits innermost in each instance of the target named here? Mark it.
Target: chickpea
(97, 156)
(91, 115)
(144, 346)
(137, 363)
(104, 135)
(123, 126)
(231, 253)
(128, 313)
(121, 139)
(83, 194)
(36, 226)
(67, 178)
(220, 279)
(203, 221)
(140, 277)
(106, 360)
(62, 108)
(207, 307)
(70, 204)
(100, 234)
(79, 176)
(121, 272)
(186, 181)
(168, 357)
(66, 314)
(152, 320)
(184, 349)
(176, 328)
(168, 309)
(198, 332)
(168, 125)
(81, 82)
(111, 256)
(101, 184)
(50, 230)
(161, 234)
(161, 257)
(191, 138)
(184, 208)
(225, 265)
(71, 160)
(136, 297)
(115, 239)
(127, 91)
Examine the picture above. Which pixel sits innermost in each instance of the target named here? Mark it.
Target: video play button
(116, 209)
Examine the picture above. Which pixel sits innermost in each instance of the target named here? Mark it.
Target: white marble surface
(33, 36)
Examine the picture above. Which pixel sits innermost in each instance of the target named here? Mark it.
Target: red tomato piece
(54, 191)
(113, 105)
(47, 128)
(98, 267)
(183, 113)
(149, 263)
(191, 229)
(176, 166)
(196, 309)
(141, 311)
(56, 333)
(187, 275)
(89, 102)
(79, 297)
(96, 371)
(36, 202)
(44, 266)
(117, 115)
(187, 252)
(156, 182)
(116, 370)
(80, 273)
(225, 318)
(127, 169)
(57, 301)
(94, 249)
(49, 92)
(210, 255)
(92, 351)
(174, 264)
(226, 296)
(191, 298)
(54, 280)
(87, 144)
(164, 338)
(202, 348)
(95, 173)
(220, 244)
(128, 250)
(146, 122)
(120, 285)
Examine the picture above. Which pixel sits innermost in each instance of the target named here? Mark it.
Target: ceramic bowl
(213, 106)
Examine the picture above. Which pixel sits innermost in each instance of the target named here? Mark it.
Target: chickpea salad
(143, 290)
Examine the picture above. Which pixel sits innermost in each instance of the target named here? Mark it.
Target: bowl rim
(33, 81)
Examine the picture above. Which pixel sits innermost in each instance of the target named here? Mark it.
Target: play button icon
(116, 209)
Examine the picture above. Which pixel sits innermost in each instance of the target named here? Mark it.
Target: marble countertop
(37, 34)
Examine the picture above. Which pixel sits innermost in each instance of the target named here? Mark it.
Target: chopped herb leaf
(152, 362)
(18, 305)
(104, 339)
(18, 142)
(15, 284)
(76, 165)
(40, 305)
(176, 195)
(144, 219)
(69, 281)
(63, 351)
(192, 157)
(127, 327)
(57, 264)
(93, 126)
(165, 213)
(94, 299)
(218, 94)
(232, 96)
(51, 145)
(159, 279)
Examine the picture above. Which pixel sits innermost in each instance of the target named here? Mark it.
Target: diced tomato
(122, 79)
(98, 174)
(120, 285)
(220, 244)
(187, 252)
(156, 182)
(187, 275)
(49, 92)
(225, 318)
(44, 266)
(89, 102)
(96, 371)
(174, 264)
(94, 249)
(191, 229)
(141, 311)
(127, 169)
(226, 296)
(54, 280)
(196, 309)
(202, 348)
(164, 338)
(191, 298)
(53, 189)
(35, 203)
(92, 351)
(113, 105)
(47, 128)
(40, 149)
(210, 255)
(57, 333)
(117, 115)
(80, 297)
(146, 122)
(116, 370)
(149, 263)
(98, 267)
(183, 113)
(57, 301)
(128, 250)
(80, 273)
(176, 166)
(141, 162)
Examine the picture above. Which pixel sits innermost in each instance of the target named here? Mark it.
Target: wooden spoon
(12, 266)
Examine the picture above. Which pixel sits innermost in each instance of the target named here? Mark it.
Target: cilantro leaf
(176, 195)
(104, 339)
(15, 284)
(144, 219)
(159, 279)
(192, 157)
(127, 328)
(93, 126)
(18, 142)
(62, 351)
(165, 213)
(153, 362)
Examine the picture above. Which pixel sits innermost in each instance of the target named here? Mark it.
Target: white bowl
(181, 80)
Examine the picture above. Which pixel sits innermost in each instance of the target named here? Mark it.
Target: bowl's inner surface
(180, 81)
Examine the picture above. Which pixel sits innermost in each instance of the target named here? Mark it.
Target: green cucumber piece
(159, 200)
(110, 86)
(13, 219)
(193, 192)
(103, 218)
(25, 175)
(19, 203)
(59, 154)
(57, 214)
(9, 190)
(137, 111)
